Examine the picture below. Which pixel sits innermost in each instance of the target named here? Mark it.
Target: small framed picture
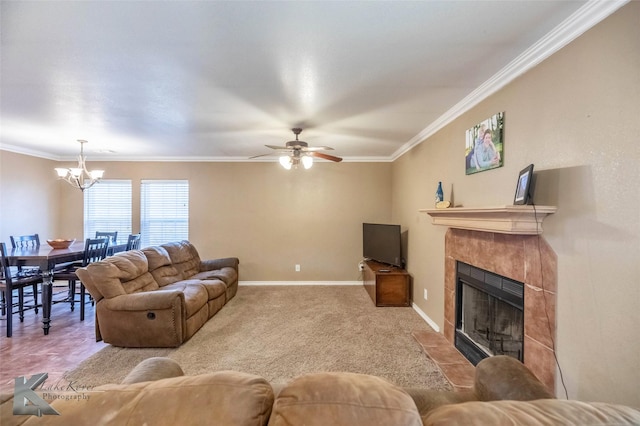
(523, 188)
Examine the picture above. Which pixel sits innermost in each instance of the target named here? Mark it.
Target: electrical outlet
(297, 268)
(425, 294)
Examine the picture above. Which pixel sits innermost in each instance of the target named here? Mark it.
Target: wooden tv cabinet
(387, 285)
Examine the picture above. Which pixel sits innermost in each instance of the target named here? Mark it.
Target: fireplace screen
(489, 314)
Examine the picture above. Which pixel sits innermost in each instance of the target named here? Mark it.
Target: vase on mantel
(439, 193)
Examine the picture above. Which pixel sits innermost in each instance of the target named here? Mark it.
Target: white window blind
(107, 208)
(164, 211)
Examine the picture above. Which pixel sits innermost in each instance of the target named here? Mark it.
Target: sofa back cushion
(184, 257)
(542, 412)
(160, 266)
(343, 399)
(222, 398)
(124, 273)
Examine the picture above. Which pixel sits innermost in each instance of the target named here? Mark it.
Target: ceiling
(216, 81)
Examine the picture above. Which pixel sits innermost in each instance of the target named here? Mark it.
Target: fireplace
(526, 259)
(489, 314)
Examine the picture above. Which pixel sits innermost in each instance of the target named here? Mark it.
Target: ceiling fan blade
(278, 147)
(317, 148)
(325, 156)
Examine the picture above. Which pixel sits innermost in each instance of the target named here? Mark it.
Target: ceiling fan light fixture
(307, 162)
(285, 161)
(297, 152)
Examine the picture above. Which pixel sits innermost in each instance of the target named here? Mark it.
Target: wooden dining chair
(113, 239)
(10, 282)
(26, 242)
(95, 249)
(113, 236)
(133, 243)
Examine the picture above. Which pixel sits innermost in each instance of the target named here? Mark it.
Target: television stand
(387, 285)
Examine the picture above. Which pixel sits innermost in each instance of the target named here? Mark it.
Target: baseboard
(425, 317)
(299, 282)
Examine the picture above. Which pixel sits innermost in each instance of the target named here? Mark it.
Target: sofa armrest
(148, 300)
(213, 264)
(502, 377)
(154, 368)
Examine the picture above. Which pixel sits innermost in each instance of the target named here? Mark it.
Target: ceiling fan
(297, 151)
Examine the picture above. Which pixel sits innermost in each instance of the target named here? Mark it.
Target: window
(107, 208)
(164, 211)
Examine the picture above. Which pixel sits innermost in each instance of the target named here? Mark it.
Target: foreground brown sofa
(158, 296)
(157, 393)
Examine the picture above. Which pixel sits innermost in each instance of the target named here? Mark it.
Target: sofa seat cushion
(542, 412)
(205, 399)
(343, 399)
(227, 275)
(195, 295)
(215, 288)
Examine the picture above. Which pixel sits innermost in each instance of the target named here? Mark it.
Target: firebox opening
(489, 314)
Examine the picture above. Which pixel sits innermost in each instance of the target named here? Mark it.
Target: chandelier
(79, 177)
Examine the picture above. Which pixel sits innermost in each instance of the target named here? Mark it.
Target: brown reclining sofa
(158, 296)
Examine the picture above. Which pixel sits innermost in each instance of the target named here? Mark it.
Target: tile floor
(29, 351)
(455, 367)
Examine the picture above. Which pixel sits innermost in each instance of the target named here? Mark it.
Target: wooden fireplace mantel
(520, 220)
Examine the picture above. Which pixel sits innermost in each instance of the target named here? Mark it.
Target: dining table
(47, 258)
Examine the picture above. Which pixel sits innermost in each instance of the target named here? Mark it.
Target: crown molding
(98, 157)
(571, 28)
(29, 152)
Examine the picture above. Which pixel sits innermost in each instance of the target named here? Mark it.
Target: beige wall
(576, 117)
(268, 217)
(29, 197)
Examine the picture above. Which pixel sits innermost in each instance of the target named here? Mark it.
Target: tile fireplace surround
(524, 258)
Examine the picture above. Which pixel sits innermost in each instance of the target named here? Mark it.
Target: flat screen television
(382, 243)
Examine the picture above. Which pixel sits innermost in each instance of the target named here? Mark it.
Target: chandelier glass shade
(79, 177)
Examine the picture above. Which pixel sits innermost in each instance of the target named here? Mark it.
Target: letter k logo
(24, 394)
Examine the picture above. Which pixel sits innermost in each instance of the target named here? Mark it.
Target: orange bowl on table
(60, 243)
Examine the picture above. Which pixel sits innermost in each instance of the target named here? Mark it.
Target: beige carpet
(280, 332)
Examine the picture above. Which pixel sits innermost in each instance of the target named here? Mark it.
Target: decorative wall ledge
(520, 220)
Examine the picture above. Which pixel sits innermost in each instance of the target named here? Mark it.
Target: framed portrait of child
(484, 145)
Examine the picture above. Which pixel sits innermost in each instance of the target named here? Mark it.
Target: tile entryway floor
(69, 342)
(455, 367)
